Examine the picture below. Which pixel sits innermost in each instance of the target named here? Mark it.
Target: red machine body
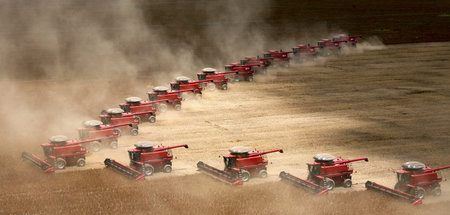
(59, 153)
(349, 40)
(127, 125)
(280, 58)
(162, 92)
(117, 115)
(210, 79)
(148, 158)
(326, 47)
(240, 163)
(99, 135)
(303, 53)
(238, 72)
(136, 104)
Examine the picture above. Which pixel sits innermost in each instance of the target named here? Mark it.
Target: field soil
(389, 103)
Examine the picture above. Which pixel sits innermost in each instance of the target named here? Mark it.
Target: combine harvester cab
(59, 152)
(113, 114)
(162, 92)
(241, 163)
(237, 72)
(96, 136)
(146, 158)
(414, 180)
(325, 172)
(303, 53)
(211, 79)
(349, 40)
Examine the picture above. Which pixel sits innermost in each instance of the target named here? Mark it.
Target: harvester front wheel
(224, 86)
(118, 132)
(263, 173)
(95, 146)
(162, 108)
(81, 162)
(419, 192)
(113, 144)
(167, 168)
(211, 86)
(147, 169)
(177, 107)
(347, 183)
(436, 191)
(328, 183)
(134, 132)
(198, 96)
(244, 175)
(60, 163)
(250, 78)
(152, 119)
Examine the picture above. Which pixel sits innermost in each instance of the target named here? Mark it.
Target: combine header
(240, 163)
(148, 115)
(310, 186)
(124, 170)
(414, 181)
(146, 158)
(325, 172)
(59, 152)
(211, 79)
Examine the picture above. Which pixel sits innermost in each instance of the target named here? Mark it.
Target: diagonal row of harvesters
(324, 173)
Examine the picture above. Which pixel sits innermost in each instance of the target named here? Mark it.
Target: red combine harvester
(59, 152)
(98, 135)
(119, 120)
(349, 40)
(211, 79)
(303, 53)
(162, 92)
(326, 47)
(279, 58)
(238, 72)
(240, 165)
(414, 181)
(256, 64)
(117, 113)
(184, 83)
(136, 104)
(146, 158)
(324, 173)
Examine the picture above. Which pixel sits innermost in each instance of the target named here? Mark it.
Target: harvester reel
(244, 175)
(147, 169)
(347, 183)
(328, 183)
(81, 162)
(167, 168)
(134, 132)
(162, 108)
(60, 163)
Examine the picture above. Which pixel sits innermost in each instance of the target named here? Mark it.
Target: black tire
(224, 86)
(328, 183)
(134, 132)
(262, 173)
(347, 183)
(60, 163)
(177, 107)
(81, 162)
(244, 175)
(162, 108)
(147, 169)
(152, 119)
(95, 146)
(118, 132)
(167, 168)
(250, 78)
(419, 192)
(211, 86)
(436, 191)
(113, 144)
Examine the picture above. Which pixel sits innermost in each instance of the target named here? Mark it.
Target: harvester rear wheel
(436, 191)
(95, 146)
(211, 86)
(263, 173)
(60, 163)
(244, 175)
(224, 86)
(419, 192)
(152, 119)
(250, 78)
(162, 108)
(113, 144)
(134, 132)
(167, 168)
(328, 183)
(147, 169)
(347, 183)
(81, 162)
(177, 107)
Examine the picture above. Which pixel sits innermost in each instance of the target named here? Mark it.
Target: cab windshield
(321, 43)
(267, 55)
(314, 169)
(174, 86)
(134, 156)
(403, 178)
(244, 62)
(228, 68)
(83, 133)
(201, 77)
(48, 150)
(152, 97)
(105, 120)
(229, 162)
